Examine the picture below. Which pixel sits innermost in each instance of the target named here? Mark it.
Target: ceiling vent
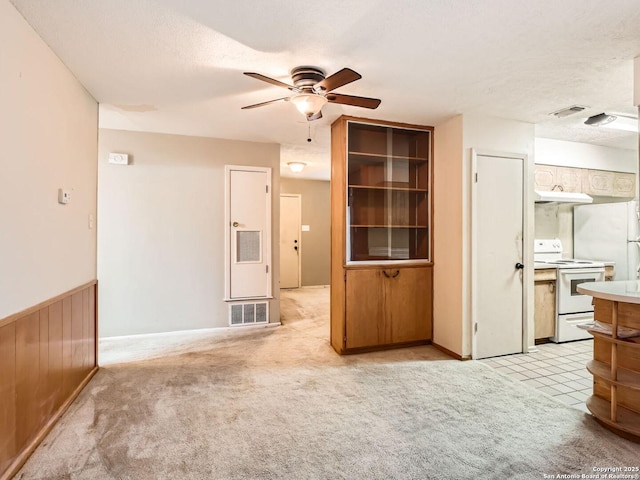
(565, 112)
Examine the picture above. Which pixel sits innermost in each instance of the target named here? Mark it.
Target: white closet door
(249, 215)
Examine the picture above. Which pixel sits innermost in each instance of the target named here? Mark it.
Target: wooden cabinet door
(364, 300)
(544, 313)
(545, 177)
(624, 184)
(408, 304)
(570, 179)
(598, 182)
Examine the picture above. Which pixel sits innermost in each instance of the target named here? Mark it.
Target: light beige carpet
(279, 403)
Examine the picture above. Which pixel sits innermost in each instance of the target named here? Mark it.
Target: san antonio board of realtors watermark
(600, 473)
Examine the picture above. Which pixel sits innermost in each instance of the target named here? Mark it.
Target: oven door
(569, 299)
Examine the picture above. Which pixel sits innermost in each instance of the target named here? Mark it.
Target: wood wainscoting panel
(8, 448)
(67, 346)
(47, 355)
(55, 356)
(27, 377)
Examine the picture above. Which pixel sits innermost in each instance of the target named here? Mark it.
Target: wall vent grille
(248, 313)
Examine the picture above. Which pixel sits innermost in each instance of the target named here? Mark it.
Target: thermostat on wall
(119, 158)
(64, 196)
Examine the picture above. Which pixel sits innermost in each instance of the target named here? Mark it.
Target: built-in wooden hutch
(381, 256)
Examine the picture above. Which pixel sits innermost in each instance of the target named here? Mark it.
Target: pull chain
(309, 134)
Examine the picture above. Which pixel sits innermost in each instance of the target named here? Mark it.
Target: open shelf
(616, 368)
(625, 378)
(627, 420)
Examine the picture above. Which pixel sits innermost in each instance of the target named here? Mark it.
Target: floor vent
(248, 313)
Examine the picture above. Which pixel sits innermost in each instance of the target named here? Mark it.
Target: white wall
(48, 134)
(636, 81)
(161, 230)
(584, 155)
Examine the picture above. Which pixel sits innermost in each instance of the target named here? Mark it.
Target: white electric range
(572, 307)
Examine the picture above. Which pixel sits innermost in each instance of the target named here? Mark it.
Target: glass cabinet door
(388, 195)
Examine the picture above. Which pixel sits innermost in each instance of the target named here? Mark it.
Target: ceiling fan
(313, 90)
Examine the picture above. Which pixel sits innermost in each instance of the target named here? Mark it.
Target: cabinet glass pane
(388, 197)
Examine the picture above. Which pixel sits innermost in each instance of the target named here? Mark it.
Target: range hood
(561, 197)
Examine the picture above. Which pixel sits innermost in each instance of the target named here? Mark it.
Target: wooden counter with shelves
(616, 361)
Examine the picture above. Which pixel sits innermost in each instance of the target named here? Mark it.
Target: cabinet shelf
(396, 189)
(626, 378)
(388, 226)
(385, 156)
(627, 420)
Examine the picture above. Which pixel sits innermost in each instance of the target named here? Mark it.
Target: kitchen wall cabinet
(381, 265)
(581, 180)
(544, 294)
(550, 177)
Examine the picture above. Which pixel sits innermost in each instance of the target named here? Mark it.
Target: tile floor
(556, 369)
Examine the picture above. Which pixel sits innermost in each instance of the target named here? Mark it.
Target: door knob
(295, 248)
(235, 224)
(519, 266)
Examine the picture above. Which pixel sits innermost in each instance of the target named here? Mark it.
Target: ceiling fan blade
(317, 116)
(338, 79)
(269, 80)
(355, 101)
(255, 105)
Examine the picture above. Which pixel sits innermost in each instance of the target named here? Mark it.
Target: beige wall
(48, 133)
(161, 230)
(316, 243)
(447, 235)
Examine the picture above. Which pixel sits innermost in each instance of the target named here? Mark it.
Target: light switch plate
(306, 228)
(119, 158)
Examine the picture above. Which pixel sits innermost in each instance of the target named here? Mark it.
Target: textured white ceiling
(176, 67)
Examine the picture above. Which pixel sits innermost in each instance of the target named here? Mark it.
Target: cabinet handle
(385, 273)
(552, 287)
(396, 274)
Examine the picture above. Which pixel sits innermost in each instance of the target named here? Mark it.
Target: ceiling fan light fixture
(308, 104)
(600, 119)
(296, 167)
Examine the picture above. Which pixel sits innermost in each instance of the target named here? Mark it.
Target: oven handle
(580, 271)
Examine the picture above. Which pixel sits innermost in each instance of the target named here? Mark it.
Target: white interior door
(249, 221)
(290, 240)
(497, 251)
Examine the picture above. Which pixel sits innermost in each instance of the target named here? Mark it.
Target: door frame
(528, 342)
(299, 196)
(268, 236)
